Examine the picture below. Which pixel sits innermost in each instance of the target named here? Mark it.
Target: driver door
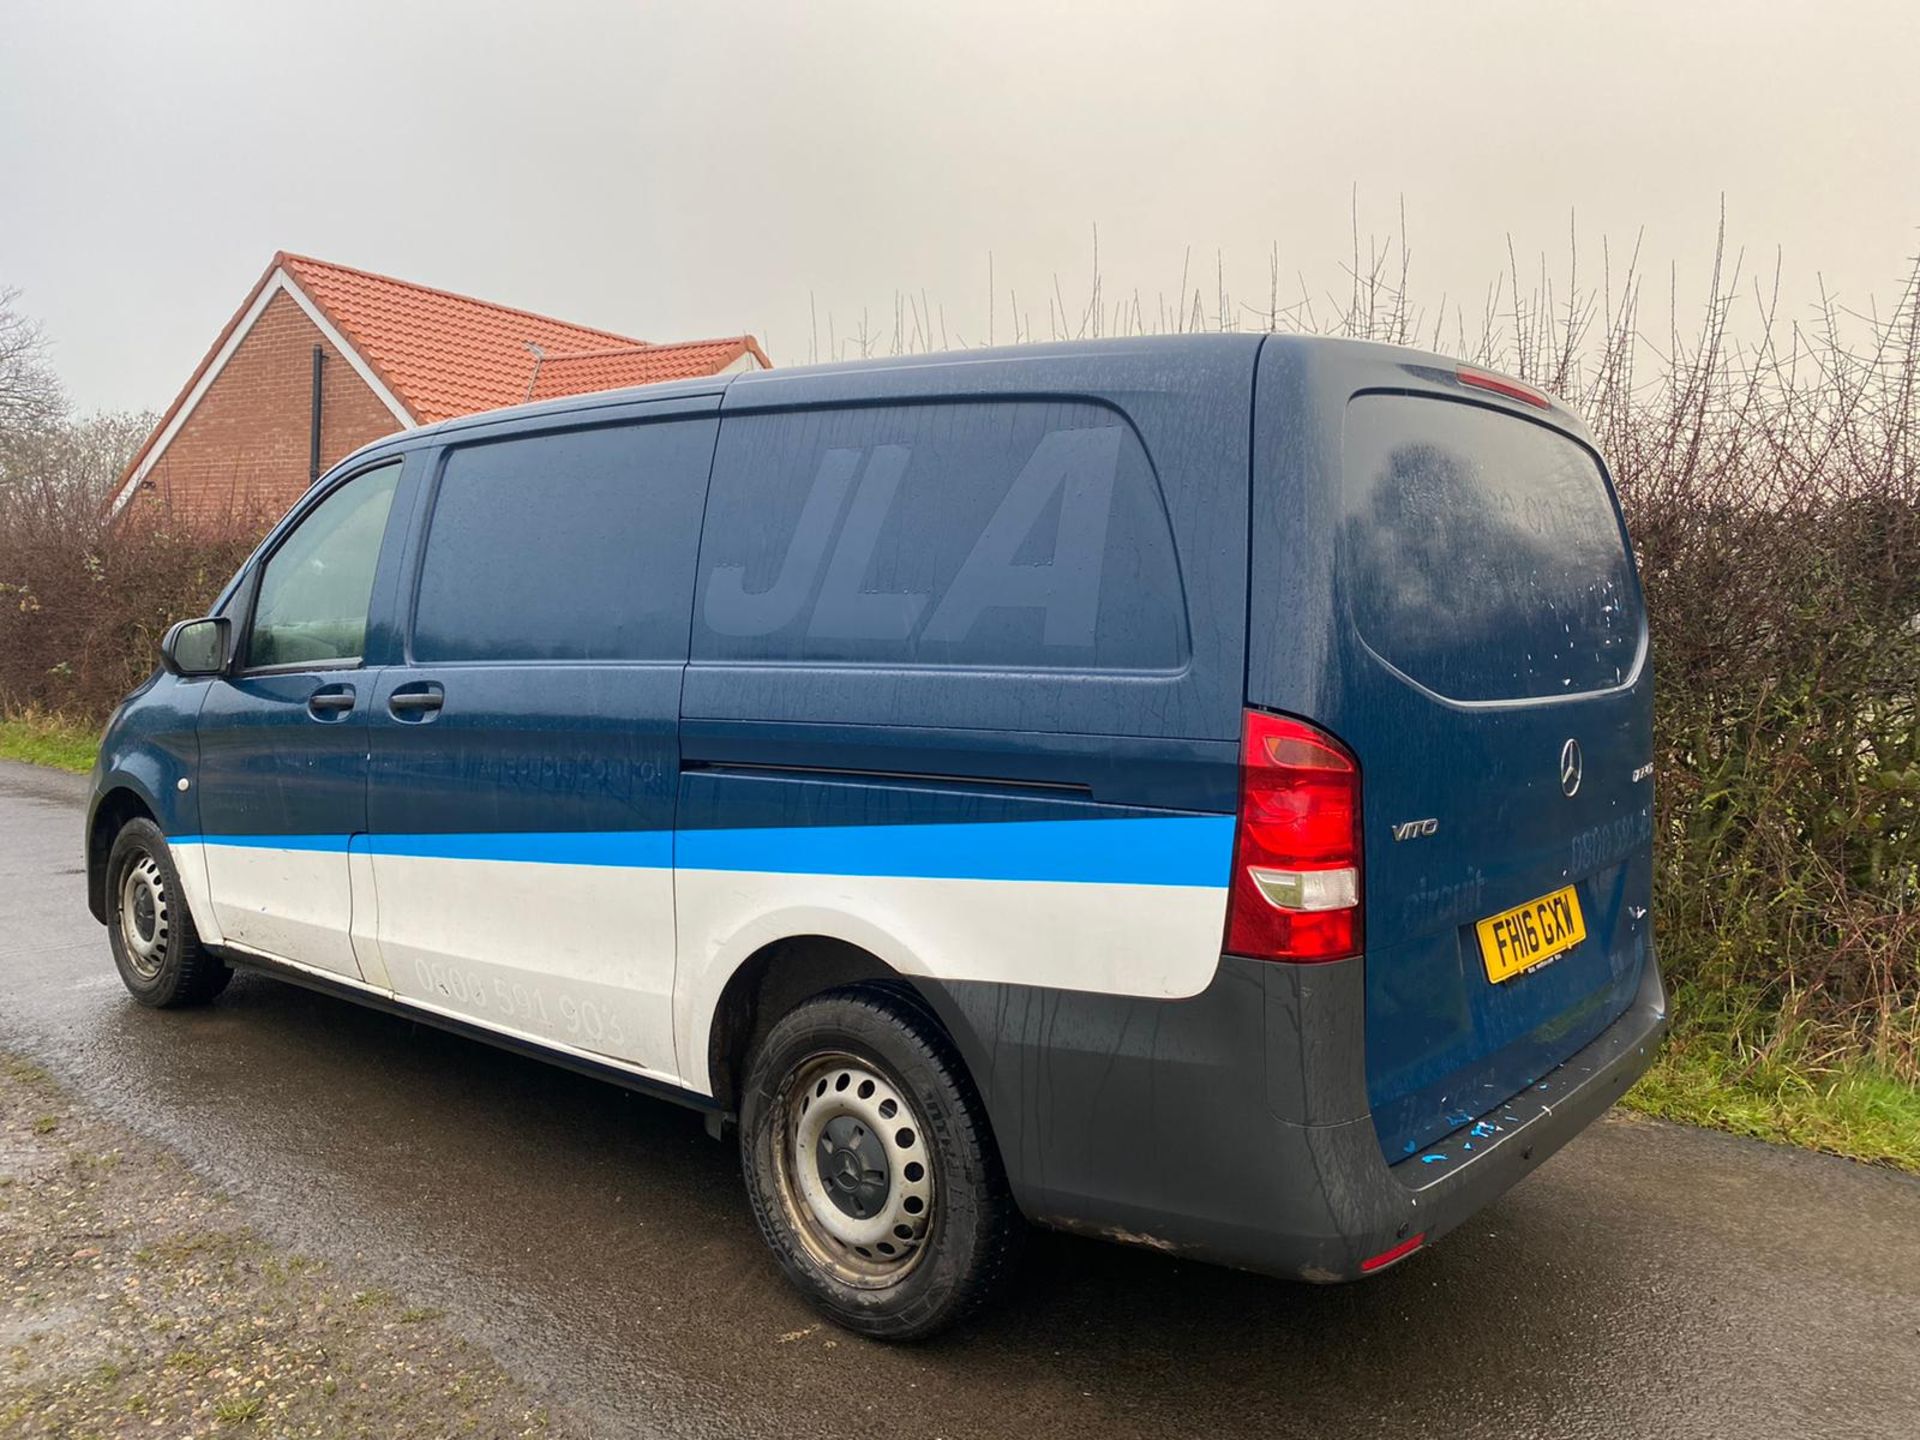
(283, 736)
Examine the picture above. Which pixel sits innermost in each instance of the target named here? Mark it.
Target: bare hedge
(83, 604)
(1774, 500)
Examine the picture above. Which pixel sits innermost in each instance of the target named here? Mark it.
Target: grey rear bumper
(1233, 1127)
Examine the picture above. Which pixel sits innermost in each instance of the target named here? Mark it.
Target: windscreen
(1481, 554)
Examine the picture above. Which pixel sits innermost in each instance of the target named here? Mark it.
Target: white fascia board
(279, 282)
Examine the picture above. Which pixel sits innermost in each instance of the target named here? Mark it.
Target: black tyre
(871, 1168)
(155, 946)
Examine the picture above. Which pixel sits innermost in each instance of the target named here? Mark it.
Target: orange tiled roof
(584, 371)
(440, 354)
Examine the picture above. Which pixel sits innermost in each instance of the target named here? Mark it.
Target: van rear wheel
(871, 1169)
(155, 947)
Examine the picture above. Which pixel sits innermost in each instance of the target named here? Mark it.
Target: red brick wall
(241, 458)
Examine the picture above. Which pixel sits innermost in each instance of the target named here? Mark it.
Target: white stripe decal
(581, 954)
(1157, 941)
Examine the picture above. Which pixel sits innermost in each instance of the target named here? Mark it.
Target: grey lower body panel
(1233, 1127)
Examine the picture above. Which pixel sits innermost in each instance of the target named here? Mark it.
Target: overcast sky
(689, 169)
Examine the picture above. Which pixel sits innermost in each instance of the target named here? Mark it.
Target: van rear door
(1488, 667)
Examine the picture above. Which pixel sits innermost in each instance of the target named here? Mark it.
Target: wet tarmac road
(1649, 1281)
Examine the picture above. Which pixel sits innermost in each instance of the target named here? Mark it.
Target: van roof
(1169, 345)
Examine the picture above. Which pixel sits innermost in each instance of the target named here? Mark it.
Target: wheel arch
(120, 802)
(786, 973)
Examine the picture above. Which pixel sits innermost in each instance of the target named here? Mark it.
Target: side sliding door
(525, 754)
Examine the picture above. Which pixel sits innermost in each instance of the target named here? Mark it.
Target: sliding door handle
(416, 702)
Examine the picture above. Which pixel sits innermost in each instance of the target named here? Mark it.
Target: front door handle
(330, 701)
(418, 701)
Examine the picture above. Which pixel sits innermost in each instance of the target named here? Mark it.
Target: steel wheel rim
(854, 1174)
(144, 920)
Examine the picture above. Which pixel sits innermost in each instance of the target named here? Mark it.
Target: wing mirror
(198, 647)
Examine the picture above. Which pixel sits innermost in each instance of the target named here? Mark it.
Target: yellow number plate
(1523, 937)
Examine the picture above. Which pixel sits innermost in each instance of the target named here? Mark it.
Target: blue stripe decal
(628, 849)
(1154, 850)
(336, 844)
(623, 849)
(1172, 850)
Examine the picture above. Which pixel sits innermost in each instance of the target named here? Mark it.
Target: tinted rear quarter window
(1013, 535)
(1481, 553)
(571, 546)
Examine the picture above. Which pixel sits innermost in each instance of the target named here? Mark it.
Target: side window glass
(316, 588)
(1017, 535)
(567, 546)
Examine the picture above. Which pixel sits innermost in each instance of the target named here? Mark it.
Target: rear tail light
(1296, 861)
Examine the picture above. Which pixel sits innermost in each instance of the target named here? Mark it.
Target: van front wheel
(155, 946)
(871, 1169)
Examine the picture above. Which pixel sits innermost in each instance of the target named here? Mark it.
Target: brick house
(321, 359)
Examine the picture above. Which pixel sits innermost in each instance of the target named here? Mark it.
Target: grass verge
(42, 739)
(1712, 1073)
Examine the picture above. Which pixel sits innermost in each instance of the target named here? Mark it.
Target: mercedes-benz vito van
(1193, 791)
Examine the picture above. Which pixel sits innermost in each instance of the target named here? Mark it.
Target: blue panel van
(1192, 791)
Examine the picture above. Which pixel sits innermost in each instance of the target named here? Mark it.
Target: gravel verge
(140, 1302)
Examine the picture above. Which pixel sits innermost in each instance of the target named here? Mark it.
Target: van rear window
(1482, 557)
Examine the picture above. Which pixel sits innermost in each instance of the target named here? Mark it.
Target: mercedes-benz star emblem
(1570, 765)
